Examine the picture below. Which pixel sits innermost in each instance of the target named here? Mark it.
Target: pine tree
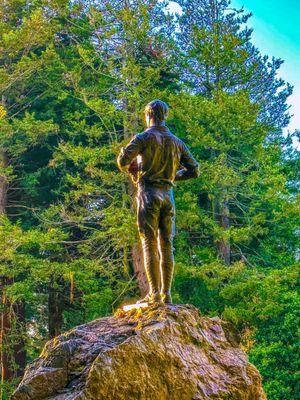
(245, 204)
(75, 78)
(219, 55)
(81, 96)
(15, 43)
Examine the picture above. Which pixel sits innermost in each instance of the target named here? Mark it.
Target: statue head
(156, 112)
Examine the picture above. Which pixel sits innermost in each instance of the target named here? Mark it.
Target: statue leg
(166, 234)
(148, 219)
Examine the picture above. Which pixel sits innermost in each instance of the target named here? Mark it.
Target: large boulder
(164, 353)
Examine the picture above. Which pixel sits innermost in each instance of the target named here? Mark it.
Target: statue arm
(129, 153)
(191, 166)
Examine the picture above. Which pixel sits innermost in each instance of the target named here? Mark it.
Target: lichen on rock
(157, 353)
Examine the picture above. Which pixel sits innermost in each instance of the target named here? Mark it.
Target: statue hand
(133, 171)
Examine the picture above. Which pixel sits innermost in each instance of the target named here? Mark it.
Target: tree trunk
(7, 372)
(6, 350)
(20, 345)
(55, 309)
(3, 183)
(138, 267)
(221, 216)
(12, 319)
(12, 333)
(224, 244)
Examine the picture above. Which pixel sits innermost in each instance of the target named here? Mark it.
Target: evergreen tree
(219, 55)
(82, 86)
(74, 79)
(244, 210)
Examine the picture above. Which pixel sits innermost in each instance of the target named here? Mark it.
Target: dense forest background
(74, 79)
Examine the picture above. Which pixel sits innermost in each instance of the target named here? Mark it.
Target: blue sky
(276, 25)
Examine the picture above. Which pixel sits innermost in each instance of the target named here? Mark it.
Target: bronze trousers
(156, 225)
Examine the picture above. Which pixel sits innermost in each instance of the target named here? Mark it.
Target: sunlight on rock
(129, 307)
(167, 352)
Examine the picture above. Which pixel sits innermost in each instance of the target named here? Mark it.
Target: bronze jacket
(162, 154)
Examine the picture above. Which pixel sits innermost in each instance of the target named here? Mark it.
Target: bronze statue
(161, 154)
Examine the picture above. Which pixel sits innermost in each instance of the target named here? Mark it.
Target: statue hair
(157, 109)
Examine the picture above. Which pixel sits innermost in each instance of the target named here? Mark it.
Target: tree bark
(3, 183)
(12, 318)
(221, 216)
(12, 333)
(7, 373)
(55, 309)
(6, 350)
(20, 345)
(224, 244)
(138, 267)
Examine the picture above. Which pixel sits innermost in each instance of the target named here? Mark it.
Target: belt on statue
(143, 184)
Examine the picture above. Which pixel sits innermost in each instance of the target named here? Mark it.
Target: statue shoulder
(179, 142)
(138, 136)
(143, 135)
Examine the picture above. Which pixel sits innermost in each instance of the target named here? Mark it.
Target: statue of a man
(163, 159)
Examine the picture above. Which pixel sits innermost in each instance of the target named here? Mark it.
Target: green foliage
(74, 79)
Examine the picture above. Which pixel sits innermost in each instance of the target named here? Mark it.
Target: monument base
(169, 352)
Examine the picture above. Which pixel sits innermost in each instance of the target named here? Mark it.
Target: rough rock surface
(164, 353)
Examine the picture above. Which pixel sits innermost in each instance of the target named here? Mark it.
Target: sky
(276, 25)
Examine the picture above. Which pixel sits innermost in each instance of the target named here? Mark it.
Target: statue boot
(152, 268)
(166, 297)
(151, 298)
